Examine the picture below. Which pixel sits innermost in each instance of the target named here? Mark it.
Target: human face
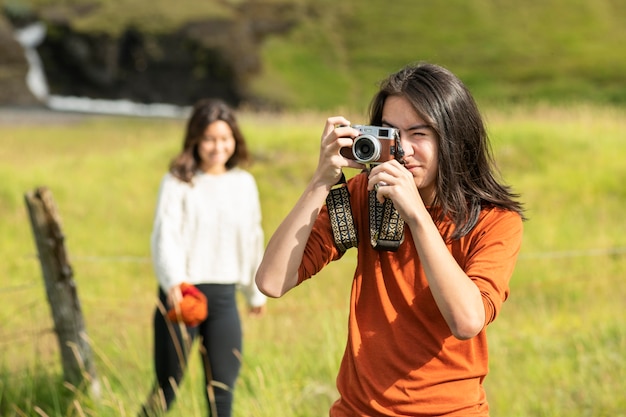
(216, 147)
(419, 142)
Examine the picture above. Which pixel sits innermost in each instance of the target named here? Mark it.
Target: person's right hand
(336, 135)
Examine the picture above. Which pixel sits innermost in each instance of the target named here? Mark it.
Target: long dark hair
(205, 112)
(466, 180)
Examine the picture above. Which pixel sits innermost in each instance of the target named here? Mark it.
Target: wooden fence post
(76, 354)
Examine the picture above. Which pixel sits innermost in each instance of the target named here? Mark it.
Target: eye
(422, 132)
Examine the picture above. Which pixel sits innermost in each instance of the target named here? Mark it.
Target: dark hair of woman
(466, 177)
(205, 112)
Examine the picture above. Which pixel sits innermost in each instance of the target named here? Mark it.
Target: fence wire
(28, 331)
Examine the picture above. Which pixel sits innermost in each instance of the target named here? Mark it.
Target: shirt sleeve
(167, 246)
(492, 256)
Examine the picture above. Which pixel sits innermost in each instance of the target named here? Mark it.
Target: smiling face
(419, 142)
(216, 147)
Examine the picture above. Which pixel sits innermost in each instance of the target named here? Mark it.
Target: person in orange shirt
(419, 308)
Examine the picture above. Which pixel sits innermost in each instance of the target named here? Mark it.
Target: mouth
(415, 170)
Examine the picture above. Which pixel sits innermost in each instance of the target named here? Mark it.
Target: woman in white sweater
(207, 232)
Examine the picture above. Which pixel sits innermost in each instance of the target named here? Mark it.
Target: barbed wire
(570, 253)
(21, 287)
(24, 338)
(575, 253)
(555, 254)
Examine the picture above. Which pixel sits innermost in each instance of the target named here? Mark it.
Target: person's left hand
(392, 180)
(174, 297)
(257, 311)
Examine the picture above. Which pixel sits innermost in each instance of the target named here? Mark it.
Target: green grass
(560, 51)
(556, 349)
(553, 50)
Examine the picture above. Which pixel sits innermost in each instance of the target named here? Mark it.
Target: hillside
(335, 52)
(555, 50)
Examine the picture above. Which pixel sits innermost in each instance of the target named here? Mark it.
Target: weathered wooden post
(76, 354)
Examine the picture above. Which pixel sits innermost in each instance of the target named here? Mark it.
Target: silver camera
(374, 145)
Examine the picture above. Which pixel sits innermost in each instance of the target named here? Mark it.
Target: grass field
(557, 348)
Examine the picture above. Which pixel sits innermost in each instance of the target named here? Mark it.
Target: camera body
(374, 145)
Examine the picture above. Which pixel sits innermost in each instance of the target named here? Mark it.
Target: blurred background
(306, 54)
(549, 76)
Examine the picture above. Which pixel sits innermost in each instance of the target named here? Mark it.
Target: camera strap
(340, 214)
(386, 225)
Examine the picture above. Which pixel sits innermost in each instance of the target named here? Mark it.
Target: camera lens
(366, 149)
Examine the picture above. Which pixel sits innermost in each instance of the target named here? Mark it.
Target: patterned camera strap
(386, 225)
(340, 214)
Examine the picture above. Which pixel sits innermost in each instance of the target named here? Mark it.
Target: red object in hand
(193, 309)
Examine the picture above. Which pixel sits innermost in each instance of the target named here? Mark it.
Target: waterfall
(30, 37)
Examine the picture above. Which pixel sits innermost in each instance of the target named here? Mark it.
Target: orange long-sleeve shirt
(401, 358)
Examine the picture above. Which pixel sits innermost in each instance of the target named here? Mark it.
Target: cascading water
(29, 37)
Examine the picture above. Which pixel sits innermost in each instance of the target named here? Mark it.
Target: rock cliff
(207, 56)
(13, 69)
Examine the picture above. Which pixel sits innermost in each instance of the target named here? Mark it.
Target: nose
(220, 145)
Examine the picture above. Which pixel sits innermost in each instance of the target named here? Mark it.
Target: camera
(374, 145)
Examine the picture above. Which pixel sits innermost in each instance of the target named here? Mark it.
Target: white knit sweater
(209, 231)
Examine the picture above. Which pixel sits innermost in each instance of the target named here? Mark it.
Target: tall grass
(556, 349)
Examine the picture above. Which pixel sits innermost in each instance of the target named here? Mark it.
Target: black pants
(221, 339)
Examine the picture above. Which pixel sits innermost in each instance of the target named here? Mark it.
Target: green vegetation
(552, 50)
(556, 349)
(560, 51)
